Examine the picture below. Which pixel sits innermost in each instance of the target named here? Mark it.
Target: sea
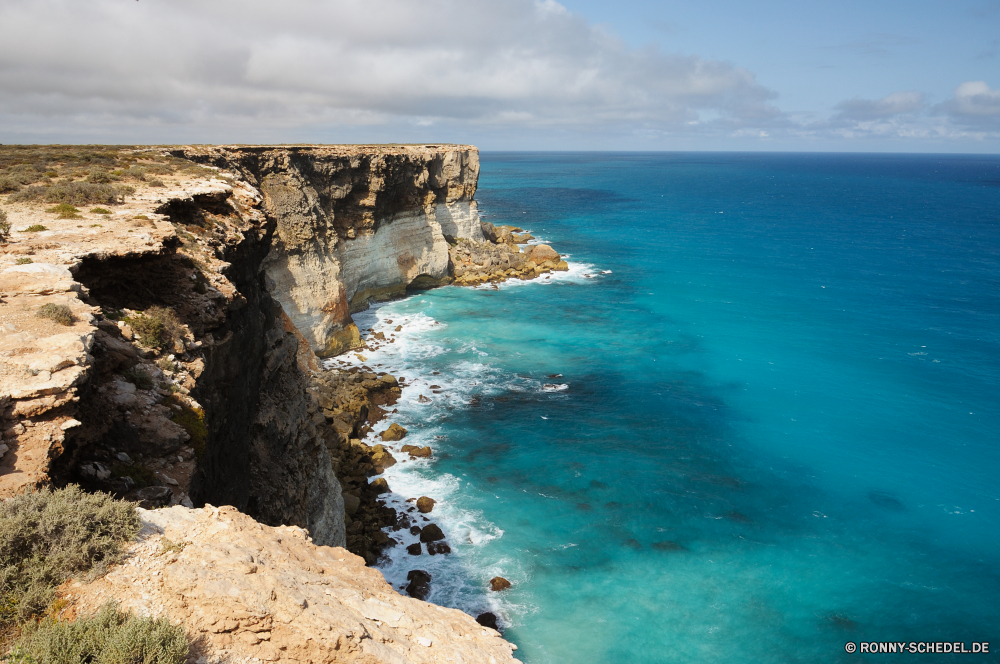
(758, 420)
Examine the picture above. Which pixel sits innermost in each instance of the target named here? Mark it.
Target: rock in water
(498, 583)
(425, 504)
(413, 549)
(393, 433)
(434, 548)
(420, 584)
(488, 620)
(380, 486)
(414, 451)
(431, 533)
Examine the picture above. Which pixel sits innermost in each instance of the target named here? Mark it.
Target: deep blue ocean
(777, 424)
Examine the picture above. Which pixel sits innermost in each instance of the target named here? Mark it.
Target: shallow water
(781, 426)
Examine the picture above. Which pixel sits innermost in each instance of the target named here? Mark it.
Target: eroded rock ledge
(248, 592)
(253, 262)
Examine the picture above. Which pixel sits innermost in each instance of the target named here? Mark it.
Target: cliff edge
(247, 592)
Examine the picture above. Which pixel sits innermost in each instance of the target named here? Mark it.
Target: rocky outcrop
(355, 224)
(244, 590)
(178, 376)
(499, 258)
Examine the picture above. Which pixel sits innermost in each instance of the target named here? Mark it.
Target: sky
(853, 75)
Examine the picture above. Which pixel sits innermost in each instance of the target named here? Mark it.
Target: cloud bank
(345, 62)
(349, 70)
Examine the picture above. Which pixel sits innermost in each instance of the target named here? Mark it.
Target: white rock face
(359, 224)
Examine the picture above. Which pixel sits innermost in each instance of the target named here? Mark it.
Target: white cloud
(975, 98)
(170, 68)
(874, 109)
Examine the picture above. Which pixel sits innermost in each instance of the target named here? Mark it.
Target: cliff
(355, 224)
(162, 344)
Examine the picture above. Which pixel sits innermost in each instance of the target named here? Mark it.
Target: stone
(380, 486)
(431, 533)
(488, 620)
(414, 451)
(381, 459)
(425, 504)
(423, 399)
(541, 253)
(351, 503)
(498, 583)
(434, 548)
(414, 549)
(153, 496)
(393, 433)
(420, 584)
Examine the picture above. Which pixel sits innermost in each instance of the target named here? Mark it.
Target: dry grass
(60, 313)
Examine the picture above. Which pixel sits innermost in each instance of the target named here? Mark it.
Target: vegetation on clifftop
(49, 536)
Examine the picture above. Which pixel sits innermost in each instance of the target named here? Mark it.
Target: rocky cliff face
(178, 377)
(355, 224)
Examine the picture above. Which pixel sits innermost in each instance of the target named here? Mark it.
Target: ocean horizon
(756, 420)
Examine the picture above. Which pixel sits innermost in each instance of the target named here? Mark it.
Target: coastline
(397, 345)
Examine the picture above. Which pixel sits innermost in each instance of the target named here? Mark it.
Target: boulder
(351, 503)
(393, 433)
(425, 504)
(153, 496)
(381, 459)
(413, 549)
(431, 533)
(415, 451)
(498, 583)
(380, 486)
(420, 583)
(488, 620)
(435, 548)
(541, 253)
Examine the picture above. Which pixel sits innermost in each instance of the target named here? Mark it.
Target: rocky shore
(160, 343)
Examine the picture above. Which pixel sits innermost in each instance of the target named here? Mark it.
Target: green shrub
(35, 228)
(156, 182)
(24, 261)
(157, 326)
(4, 227)
(141, 475)
(166, 364)
(49, 536)
(75, 193)
(60, 313)
(110, 636)
(65, 211)
(99, 176)
(100, 210)
(139, 378)
(8, 184)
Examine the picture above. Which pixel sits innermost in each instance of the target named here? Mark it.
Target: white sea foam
(459, 579)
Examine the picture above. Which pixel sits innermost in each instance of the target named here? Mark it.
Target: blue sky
(506, 74)
(816, 55)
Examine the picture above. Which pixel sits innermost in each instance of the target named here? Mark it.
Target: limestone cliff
(177, 378)
(179, 365)
(355, 223)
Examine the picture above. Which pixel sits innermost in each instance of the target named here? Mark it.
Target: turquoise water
(780, 429)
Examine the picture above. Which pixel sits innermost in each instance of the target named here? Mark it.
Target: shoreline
(390, 340)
